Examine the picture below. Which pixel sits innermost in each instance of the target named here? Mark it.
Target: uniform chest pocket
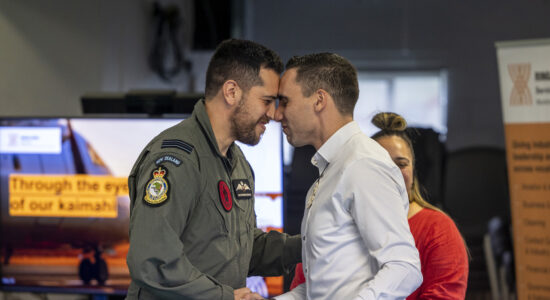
(249, 214)
(218, 218)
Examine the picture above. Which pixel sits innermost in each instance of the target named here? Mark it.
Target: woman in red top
(443, 253)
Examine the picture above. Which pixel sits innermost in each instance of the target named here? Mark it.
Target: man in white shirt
(356, 238)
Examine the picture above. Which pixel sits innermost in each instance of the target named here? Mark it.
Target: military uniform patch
(178, 144)
(156, 190)
(225, 195)
(242, 189)
(168, 159)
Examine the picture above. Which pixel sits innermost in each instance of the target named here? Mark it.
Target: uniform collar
(333, 146)
(199, 113)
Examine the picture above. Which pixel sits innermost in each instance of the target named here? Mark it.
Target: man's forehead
(290, 73)
(268, 72)
(269, 75)
(270, 84)
(289, 79)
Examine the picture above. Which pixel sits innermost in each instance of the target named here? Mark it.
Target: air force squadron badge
(156, 191)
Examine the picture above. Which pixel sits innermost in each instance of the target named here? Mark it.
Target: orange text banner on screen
(76, 196)
(524, 72)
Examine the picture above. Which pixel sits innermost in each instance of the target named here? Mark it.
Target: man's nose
(278, 115)
(271, 111)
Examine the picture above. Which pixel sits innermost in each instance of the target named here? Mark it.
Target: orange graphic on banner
(519, 73)
(528, 157)
(65, 195)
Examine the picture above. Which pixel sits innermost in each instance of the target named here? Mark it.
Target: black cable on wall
(166, 56)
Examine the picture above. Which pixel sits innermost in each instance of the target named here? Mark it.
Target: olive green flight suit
(193, 230)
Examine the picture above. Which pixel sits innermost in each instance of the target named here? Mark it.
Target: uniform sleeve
(379, 207)
(445, 263)
(156, 258)
(274, 253)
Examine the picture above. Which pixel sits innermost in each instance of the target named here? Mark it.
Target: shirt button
(305, 270)
(303, 238)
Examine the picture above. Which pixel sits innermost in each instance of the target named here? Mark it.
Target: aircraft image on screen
(74, 155)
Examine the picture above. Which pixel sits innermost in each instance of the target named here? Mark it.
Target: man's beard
(243, 127)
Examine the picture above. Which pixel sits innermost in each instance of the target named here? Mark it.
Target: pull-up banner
(524, 71)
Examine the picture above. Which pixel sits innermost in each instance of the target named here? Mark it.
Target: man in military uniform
(193, 228)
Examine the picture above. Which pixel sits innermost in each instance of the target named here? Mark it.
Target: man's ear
(232, 92)
(321, 100)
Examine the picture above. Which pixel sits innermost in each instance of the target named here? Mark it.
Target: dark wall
(422, 34)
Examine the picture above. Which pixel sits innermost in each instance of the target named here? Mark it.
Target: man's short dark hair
(239, 60)
(330, 72)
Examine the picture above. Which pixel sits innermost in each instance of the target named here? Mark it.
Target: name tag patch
(242, 189)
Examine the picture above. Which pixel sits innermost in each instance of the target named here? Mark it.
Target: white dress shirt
(356, 239)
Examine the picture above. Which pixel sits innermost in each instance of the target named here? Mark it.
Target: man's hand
(246, 294)
(253, 296)
(240, 293)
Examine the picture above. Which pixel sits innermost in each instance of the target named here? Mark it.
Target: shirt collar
(332, 147)
(199, 112)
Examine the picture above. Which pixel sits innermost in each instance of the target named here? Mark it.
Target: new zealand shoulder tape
(168, 159)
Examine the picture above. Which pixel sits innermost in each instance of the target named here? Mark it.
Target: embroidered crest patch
(156, 190)
(242, 189)
(225, 195)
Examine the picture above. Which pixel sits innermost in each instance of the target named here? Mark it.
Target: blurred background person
(443, 253)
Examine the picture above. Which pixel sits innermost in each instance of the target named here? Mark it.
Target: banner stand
(524, 73)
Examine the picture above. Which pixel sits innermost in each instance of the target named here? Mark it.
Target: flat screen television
(65, 205)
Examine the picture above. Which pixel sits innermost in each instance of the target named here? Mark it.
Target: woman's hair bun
(388, 121)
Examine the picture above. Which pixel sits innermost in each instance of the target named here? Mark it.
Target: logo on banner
(520, 73)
